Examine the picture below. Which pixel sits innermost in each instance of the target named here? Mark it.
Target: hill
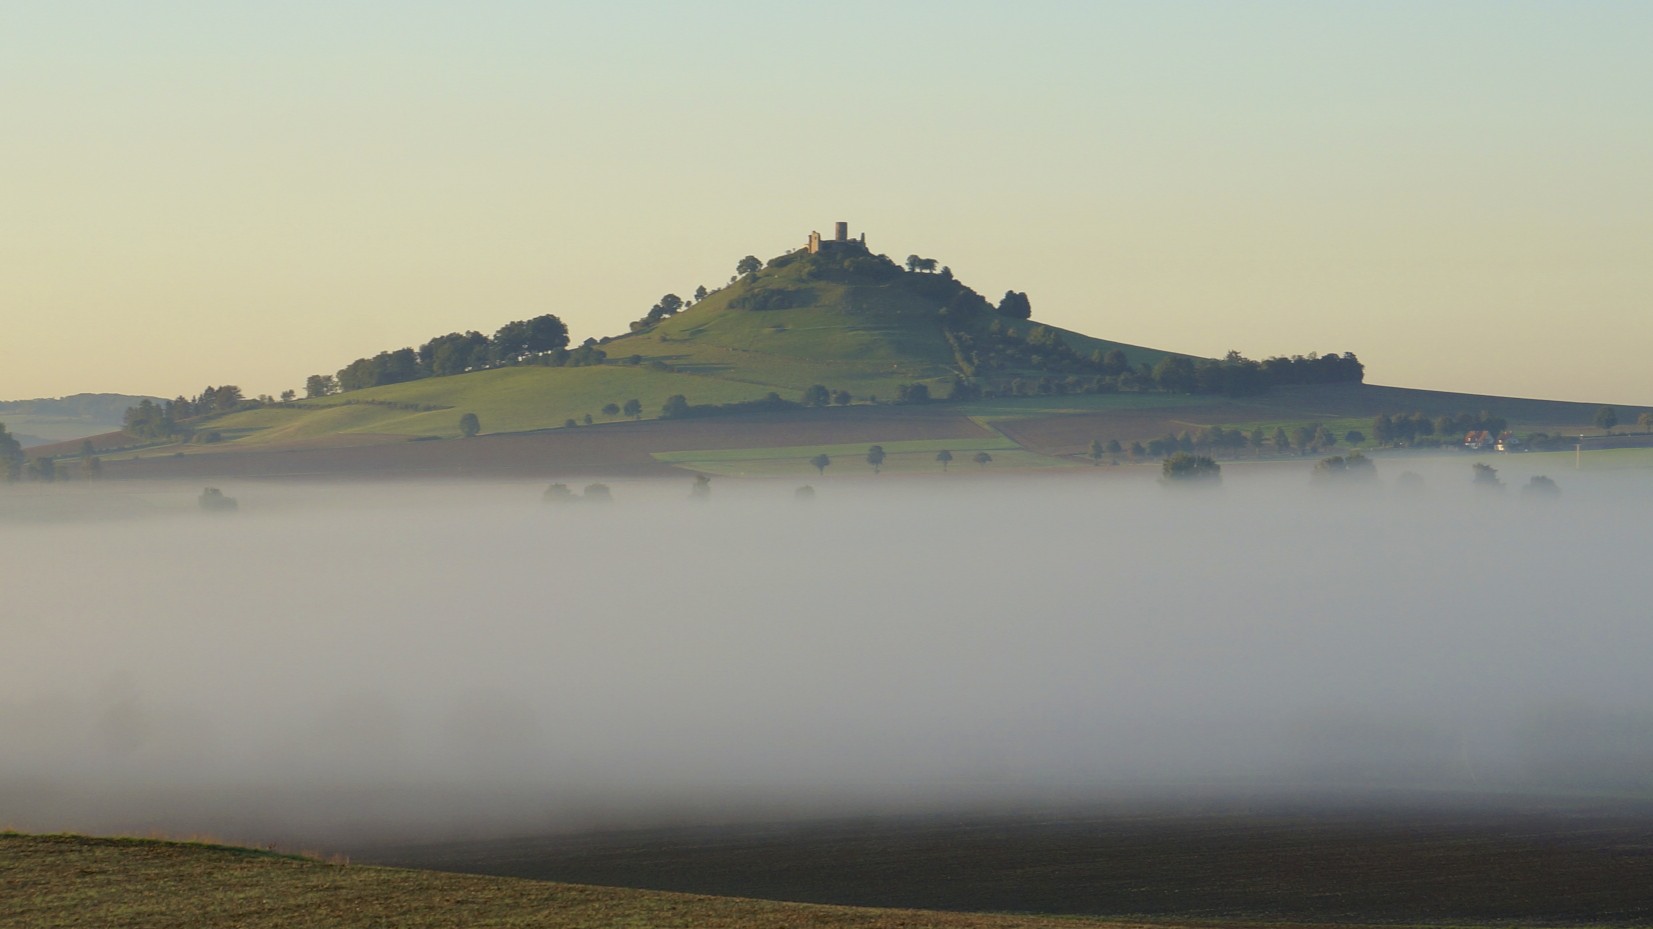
(60, 419)
(834, 326)
(59, 881)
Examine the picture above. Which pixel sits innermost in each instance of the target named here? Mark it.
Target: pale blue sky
(202, 193)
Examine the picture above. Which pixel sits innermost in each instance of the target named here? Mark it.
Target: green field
(505, 400)
(902, 457)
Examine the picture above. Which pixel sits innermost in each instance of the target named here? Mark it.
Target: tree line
(540, 340)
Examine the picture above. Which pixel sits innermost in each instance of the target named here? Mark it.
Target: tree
(289, 395)
(875, 457)
(945, 457)
(1606, 419)
(820, 462)
(912, 393)
(1486, 477)
(840, 398)
(1354, 437)
(456, 353)
(634, 409)
(10, 448)
(469, 425)
(213, 501)
(1282, 444)
(1015, 305)
(586, 419)
(1185, 468)
(1096, 452)
(611, 409)
(817, 395)
(700, 293)
(702, 489)
(320, 385)
(675, 406)
(1541, 486)
(748, 265)
(1175, 373)
(1645, 421)
(913, 262)
(982, 458)
(529, 337)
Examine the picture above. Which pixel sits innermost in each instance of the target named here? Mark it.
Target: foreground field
(1434, 862)
(60, 881)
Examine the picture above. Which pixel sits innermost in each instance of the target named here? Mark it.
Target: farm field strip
(58, 881)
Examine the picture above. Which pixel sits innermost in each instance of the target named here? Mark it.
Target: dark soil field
(609, 449)
(1413, 864)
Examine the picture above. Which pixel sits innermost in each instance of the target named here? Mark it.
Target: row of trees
(876, 455)
(537, 341)
(170, 419)
(1414, 428)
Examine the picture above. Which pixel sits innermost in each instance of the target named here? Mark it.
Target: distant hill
(60, 419)
(842, 318)
(818, 341)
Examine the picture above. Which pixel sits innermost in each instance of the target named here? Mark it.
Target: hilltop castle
(839, 238)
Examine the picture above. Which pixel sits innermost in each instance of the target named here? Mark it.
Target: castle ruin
(840, 237)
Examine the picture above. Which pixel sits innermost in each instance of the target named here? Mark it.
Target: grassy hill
(61, 419)
(48, 882)
(848, 320)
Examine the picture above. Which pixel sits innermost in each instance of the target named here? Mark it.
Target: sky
(198, 193)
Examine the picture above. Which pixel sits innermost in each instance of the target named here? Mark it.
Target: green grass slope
(844, 319)
(48, 882)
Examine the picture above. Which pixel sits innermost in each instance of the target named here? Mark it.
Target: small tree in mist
(1541, 487)
(469, 425)
(945, 457)
(212, 500)
(558, 493)
(1096, 452)
(611, 410)
(597, 493)
(820, 462)
(634, 409)
(804, 494)
(701, 489)
(1486, 477)
(982, 458)
(1606, 419)
(875, 457)
(1184, 468)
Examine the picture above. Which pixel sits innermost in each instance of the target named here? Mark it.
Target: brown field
(1414, 864)
(55, 882)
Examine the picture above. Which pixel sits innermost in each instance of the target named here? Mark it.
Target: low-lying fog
(332, 664)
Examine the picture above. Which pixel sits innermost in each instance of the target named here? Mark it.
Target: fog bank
(339, 663)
